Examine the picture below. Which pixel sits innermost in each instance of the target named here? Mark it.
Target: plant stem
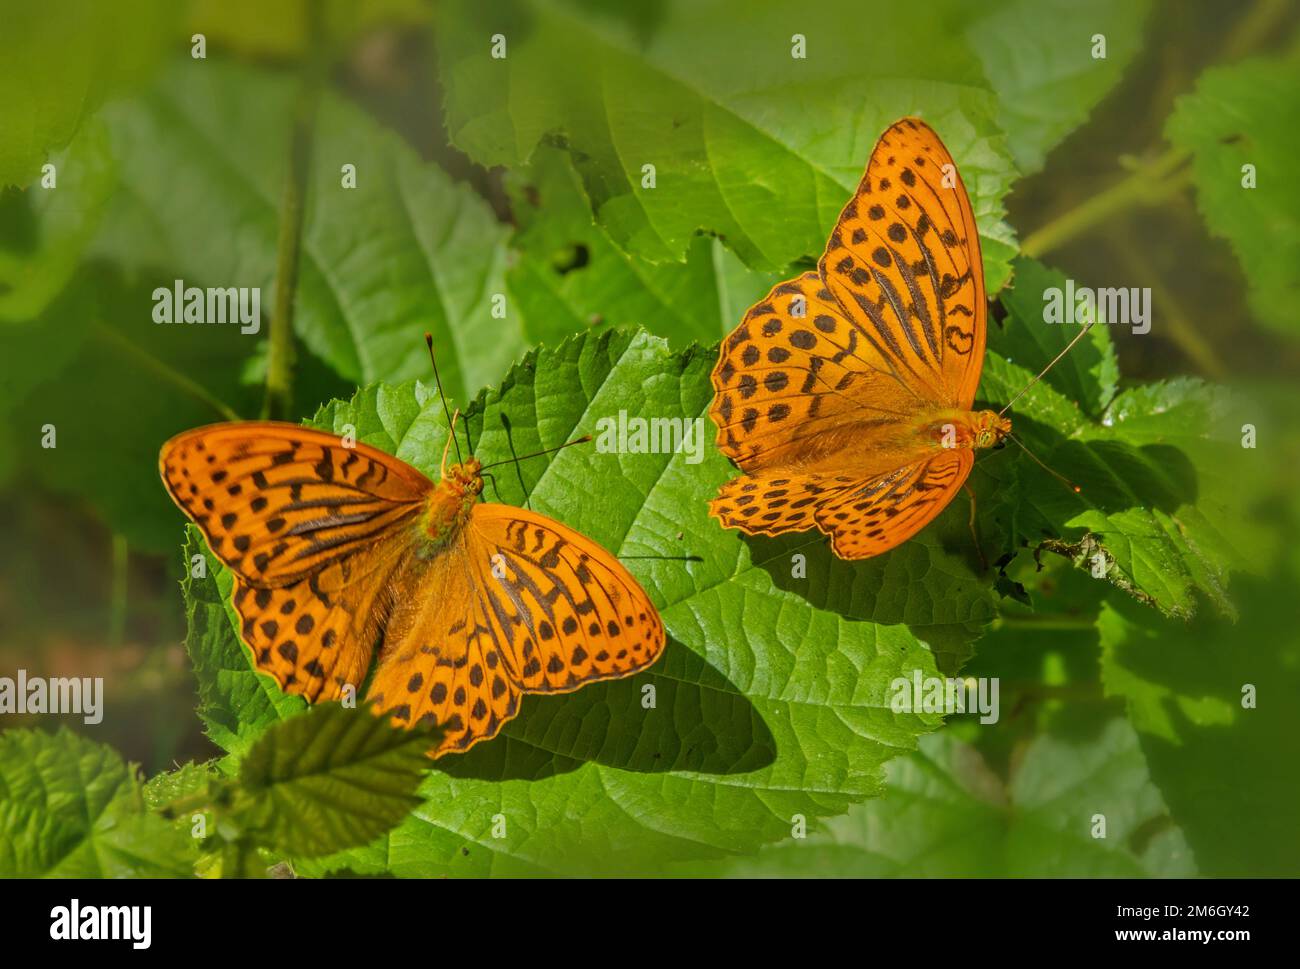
(1177, 324)
(117, 602)
(280, 354)
(1150, 185)
(190, 388)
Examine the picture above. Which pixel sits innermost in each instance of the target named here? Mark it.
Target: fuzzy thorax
(450, 503)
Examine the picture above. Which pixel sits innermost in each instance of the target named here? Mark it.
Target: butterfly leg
(974, 533)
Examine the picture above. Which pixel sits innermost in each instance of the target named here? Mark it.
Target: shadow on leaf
(700, 723)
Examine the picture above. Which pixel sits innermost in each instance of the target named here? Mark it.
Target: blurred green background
(1120, 171)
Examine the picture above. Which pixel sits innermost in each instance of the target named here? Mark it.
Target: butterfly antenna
(585, 439)
(1055, 474)
(451, 436)
(1068, 347)
(451, 423)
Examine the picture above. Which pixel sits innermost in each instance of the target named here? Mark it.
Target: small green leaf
(330, 779)
(1249, 114)
(1158, 465)
(1039, 56)
(70, 808)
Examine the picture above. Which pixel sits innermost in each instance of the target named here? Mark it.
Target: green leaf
(58, 60)
(771, 699)
(1227, 769)
(188, 779)
(329, 779)
(406, 251)
(1249, 114)
(1039, 59)
(1088, 375)
(115, 386)
(280, 29)
(748, 143)
(1159, 467)
(570, 276)
(70, 808)
(44, 230)
(949, 815)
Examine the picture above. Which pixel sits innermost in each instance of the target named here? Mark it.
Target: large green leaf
(1249, 114)
(770, 701)
(749, 143)
(1041, 57)
(44, 229)
(70, 808)
(569, 275)
(406, 251)
(1227, 769)
(58, 60)
(948, 814)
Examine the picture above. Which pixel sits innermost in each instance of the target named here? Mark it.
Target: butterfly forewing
(798, 376)
(904, 261)
(279, 503)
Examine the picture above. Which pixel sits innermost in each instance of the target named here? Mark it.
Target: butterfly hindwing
(884, 511)
(569, 612)
(315, 636)
(775, 502)
(904, 261)
(444, 659)
(519, 604)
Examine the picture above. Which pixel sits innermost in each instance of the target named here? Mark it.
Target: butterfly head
(465, 478)
(990, 429)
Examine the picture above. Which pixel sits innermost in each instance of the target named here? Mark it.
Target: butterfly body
(339, 551)
(846, 394)
(451, 503)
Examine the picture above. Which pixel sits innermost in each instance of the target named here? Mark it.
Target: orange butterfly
(335, 548)
(845, 395)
